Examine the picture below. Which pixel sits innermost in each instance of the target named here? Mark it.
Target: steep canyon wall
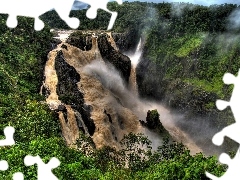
(93, 88)
(87, 98)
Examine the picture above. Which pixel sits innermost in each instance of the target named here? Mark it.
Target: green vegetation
(153, 122)
(187, 55)
(187, 49)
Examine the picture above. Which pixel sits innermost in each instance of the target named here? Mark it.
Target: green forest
(187, 52)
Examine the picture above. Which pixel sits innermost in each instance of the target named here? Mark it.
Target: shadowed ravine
(113, 106)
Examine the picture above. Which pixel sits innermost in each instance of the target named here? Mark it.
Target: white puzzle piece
(3, 165)
(8, 141)
(44, 170)
(97, 4)
(36, 8)
(232, 131)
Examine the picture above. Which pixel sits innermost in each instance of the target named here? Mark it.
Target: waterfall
(167, 118)
(115, 107)
(135, 58)
(111, 41)
(110, 110)
(62, 34)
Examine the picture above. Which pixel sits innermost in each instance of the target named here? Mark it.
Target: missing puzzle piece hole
(38, 24)
(12, 21)
(54, 162)
(3, 165)
(221, 105)
(112, 20)
(229, 78)
(218, 139)
(18, 176)
(224, 158)
(91, 13)
(9, 130)
(73, 22)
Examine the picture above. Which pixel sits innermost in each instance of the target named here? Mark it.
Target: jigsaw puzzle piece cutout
(35, 8)
(3, 165)
(18, 176)
(221, 104)
(232, 172)
(232, 131)
(95, 5)
(8, 141)
(64, 13)
(229, 78)
(44, 170)
(112, 20)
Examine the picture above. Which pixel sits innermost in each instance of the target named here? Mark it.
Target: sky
(80, 5)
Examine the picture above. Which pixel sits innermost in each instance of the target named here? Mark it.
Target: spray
(135, 59)
(116, 108)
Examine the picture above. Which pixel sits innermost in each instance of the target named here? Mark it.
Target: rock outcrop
(126, 42)
(68, 91)
(107, 47)
(80, 97)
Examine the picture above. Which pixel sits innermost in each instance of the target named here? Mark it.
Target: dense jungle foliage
(187, 47)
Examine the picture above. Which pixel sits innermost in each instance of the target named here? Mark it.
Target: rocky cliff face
(126, 42)
(107, 47)
(81, 94)
(68, 92)
(86, 83)
(177, 94)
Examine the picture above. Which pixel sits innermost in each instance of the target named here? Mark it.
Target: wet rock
(108, 115)
(68, 92)
(45, 91)
(126, 42)
(64, 46)
(54, 43)
(61, 107)
(119, 61)
(153, 121)
(84, 41)
(80, 40)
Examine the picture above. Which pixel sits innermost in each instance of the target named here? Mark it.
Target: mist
(234, 20)
(197, 135)
(177, 8)
(111, 79)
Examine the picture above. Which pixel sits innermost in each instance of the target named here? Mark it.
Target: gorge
(93, 87)
(92, 92)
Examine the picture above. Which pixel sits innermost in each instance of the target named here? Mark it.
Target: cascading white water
(167, 118)
(108, 76)
(107, 94)
(135, 58)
